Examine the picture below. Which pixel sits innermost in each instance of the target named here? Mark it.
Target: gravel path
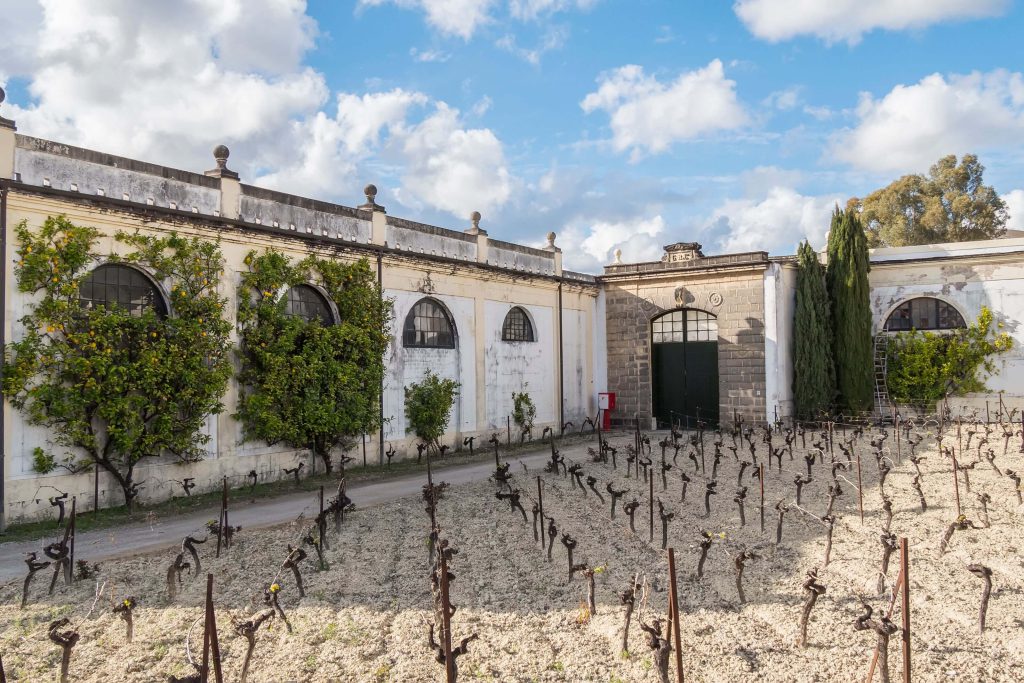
(103, 545)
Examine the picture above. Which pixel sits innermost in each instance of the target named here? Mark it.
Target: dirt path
(117, 542)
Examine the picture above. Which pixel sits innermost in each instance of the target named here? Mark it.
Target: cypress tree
(847, 280)
(814, 379)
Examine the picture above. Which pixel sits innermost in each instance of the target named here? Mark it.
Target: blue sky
(615, 124)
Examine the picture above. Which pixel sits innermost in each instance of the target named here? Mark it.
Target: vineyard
(789, 545)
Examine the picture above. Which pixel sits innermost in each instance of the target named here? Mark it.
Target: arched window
(121, 286)
(924, 313)
(517, 326)
(690, 324)
(428, 326)
(306, 302)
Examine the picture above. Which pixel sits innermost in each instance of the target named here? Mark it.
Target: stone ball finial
(618, 256)
(551, 239)
(221, 154)
(3, 96)
(371, 193)
(475, 217)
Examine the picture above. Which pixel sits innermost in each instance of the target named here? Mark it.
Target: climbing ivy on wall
(923, 367)
(303, 383)
(113, 388)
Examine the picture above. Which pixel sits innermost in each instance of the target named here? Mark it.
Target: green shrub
(523, 413)
(427, 406)
(924, 367)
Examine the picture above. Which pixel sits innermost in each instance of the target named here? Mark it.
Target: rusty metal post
(72, 529)
(905, 571)
(211, 645)
(540, 505)
(650, 481)
(892, 607)
(446, 621)
(860, 491)
(956, 484)
(222, 518)
(762, 497)
(673, 596)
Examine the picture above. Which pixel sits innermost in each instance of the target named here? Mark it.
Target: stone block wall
(735, 297)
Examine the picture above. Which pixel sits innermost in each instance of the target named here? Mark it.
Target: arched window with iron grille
(116, 285)
(306, 302)
(517, 326)
(924, 313)
(428, 326)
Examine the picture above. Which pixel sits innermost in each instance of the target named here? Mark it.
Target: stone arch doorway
(684, 366)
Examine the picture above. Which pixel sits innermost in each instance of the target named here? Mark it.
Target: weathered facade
(731, 289)
(690, 337)
(475, 280)
(751, 298)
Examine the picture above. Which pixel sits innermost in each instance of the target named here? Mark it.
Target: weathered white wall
(513, 367)
(576, 385)
(408, 366)
(779, 308)
(967, 275)
(477, 298)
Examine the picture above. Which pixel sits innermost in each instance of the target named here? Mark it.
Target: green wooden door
(684, 367)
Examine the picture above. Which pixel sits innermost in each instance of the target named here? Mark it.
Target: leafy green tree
(846, 278)
(923, 367)
(950, 204)
(814, 375)
(428, 404)
(114, 388)
(303, 383)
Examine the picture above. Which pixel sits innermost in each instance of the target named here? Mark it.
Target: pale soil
(364, 618)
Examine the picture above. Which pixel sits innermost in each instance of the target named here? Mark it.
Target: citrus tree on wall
(924, 367)
(304, 381)
(114, 384)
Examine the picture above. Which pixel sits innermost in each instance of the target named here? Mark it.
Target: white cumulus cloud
(648, 115)
(532, 9)
(775, 222)
(848, 20)
(1015, 205)
(452, 168)
(459, 18)
(104, 75)
(914, 125)
(588, 246)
